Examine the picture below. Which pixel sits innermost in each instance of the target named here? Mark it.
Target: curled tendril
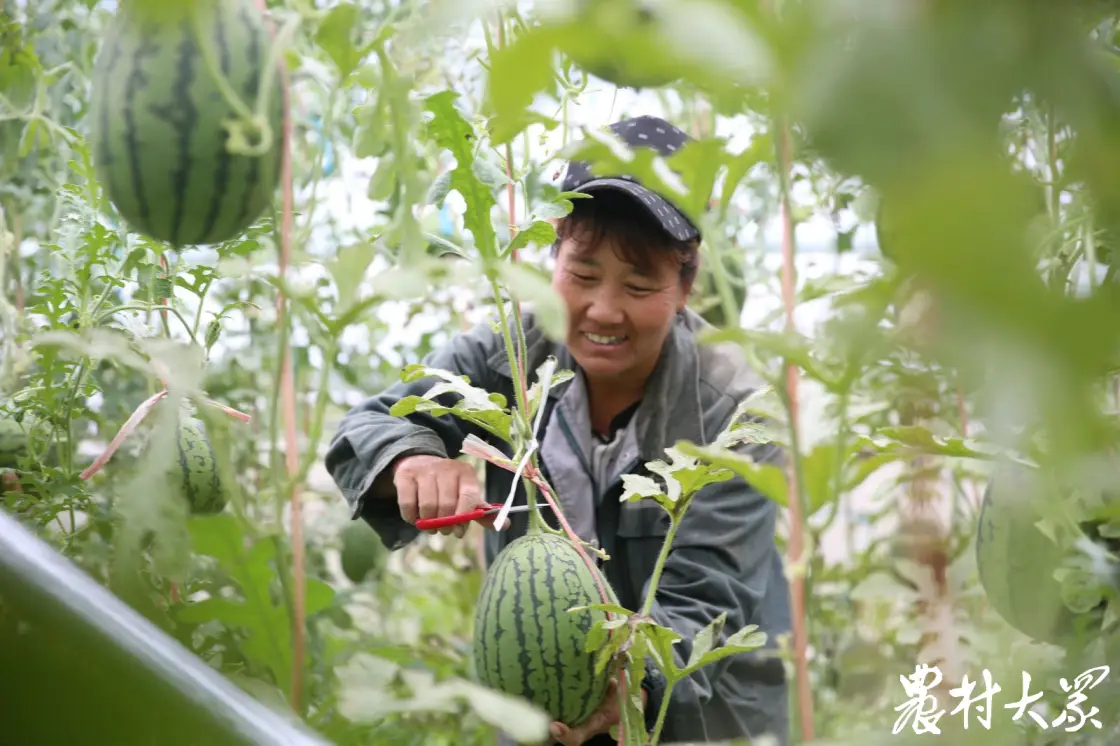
(251, 136)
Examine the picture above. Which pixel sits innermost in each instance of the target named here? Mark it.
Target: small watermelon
(526, 643)
(13, 442)
(200, 480)
(362, 552)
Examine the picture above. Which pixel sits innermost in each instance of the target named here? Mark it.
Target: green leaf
(637, 486)
(520, 720)
(612, 647)
(336, 36)
(915, 438)
(259, 610)
(370, 139)
(683, 478)
(661, 641)
(705, 639)
(737, 167)
(213, 333)
(819, 468)
(452, 131)
(437, 192)
(698, 164)
(505, 127)
(488, 172)
(534, 393)
(383, 180)
(600, 633)
(368, 693)
(348, 270)
(767, 478)
(787, 345)
(533, 288)
(518, 71)
(540, 232)
(705, 648)
(475, 405)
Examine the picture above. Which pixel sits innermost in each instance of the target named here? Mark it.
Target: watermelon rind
(159, 118)
(526, 642)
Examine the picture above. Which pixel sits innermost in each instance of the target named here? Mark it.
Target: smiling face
(623, 284)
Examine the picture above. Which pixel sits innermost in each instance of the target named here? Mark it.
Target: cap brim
(670, 218)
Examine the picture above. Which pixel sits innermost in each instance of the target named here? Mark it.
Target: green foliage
(976, 140)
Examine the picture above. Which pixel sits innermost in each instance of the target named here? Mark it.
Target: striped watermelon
(526, 643)
(158, 118)
(201, 482)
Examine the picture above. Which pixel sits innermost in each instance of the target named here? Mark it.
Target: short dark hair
(610, 215)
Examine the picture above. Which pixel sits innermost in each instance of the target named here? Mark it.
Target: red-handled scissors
(427, 524)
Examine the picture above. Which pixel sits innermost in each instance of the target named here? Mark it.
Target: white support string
(545, 378)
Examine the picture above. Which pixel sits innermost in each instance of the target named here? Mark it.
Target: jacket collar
(670, 409)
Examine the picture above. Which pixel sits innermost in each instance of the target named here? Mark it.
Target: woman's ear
(686, 291)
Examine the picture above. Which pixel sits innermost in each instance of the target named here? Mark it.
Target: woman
(625, 263)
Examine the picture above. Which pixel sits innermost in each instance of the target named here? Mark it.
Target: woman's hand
(434, 487)
(597, 722)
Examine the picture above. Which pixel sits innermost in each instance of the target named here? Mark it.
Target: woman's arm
(369, 440)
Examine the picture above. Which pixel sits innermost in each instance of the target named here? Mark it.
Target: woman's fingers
(447, 487)
(428, 495)
(408, 497)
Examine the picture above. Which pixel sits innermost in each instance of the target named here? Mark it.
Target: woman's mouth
(604, 340)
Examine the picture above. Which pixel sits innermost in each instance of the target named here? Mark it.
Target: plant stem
(147, 309)
(662, 712)
(659, 566)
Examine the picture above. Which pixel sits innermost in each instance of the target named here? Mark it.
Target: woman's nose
(605, 308)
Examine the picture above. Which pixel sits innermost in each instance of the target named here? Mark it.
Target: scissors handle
(427, 524)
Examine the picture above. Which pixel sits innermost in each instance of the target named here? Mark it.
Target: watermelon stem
(659, 566)
(148, 308)
(536, 523)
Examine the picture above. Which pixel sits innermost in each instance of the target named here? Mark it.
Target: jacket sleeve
(369, 439)
(721, 561)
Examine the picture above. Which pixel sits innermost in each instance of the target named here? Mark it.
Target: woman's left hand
(597, 722)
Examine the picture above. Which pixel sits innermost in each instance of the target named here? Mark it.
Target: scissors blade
(514, 509)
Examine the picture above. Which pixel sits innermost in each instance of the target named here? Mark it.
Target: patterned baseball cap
(639, 132)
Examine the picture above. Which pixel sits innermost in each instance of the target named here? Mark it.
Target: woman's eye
(582, 278)
(636, 289)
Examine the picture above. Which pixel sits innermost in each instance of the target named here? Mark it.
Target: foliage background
(989, 128)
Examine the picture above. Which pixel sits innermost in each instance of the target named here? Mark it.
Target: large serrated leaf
(452, 131)
(486, 409)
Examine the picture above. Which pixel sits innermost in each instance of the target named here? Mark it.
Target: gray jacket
(723, 559)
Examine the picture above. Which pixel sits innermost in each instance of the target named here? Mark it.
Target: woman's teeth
(601, 340)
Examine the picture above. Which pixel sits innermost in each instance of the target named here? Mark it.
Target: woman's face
(618, 316)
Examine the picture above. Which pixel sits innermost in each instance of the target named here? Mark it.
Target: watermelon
(13, 443)
(159, 120)
(362, 551)
(526, 643)
(1016, 561)
(200, 481)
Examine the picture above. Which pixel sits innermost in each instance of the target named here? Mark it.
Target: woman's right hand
(434, 487)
